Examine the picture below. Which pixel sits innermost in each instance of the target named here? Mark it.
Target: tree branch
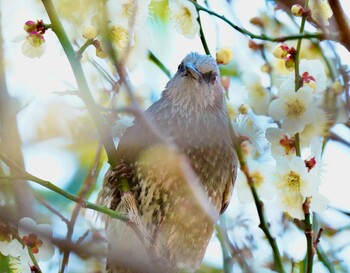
(47, 184)
(264, 37)
(264, 226)
(342, 23)
(85, 93)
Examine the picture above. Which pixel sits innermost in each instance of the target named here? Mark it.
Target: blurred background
(51, 130)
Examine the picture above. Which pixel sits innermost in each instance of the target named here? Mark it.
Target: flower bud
(224, 55)
(280, 51)
(266, 68)
(29, 26)
(254, 46)
(297, 10)
(99, 51)
(289, 63)
(243, 109)
(257, 21)
(89, 32)
(225, 82)
(337, 88)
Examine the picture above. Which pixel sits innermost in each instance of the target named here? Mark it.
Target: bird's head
(196, 84)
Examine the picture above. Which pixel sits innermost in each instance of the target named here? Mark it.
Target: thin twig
(84, 47)
(201, 33)
(103, 72)
(323, 257)
(297, 79)
(83, 194)
(264, 226)
(309, 236)
(318, 237)
(234, 251)
(82, 237)
(264, 37)
(42, 201)
(157, 62)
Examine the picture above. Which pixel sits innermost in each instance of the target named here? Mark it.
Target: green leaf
(4, 263)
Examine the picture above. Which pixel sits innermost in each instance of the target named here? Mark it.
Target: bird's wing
(229, 185)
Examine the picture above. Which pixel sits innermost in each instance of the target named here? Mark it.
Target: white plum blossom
(320, 11)
(319, 203)
(246, 129)
(124, 12)
(36, 237)
(260, 173)
(316, 128)
(259, 97)
(312, 73)
(293, 109)
(185, 16)
(121, 37)
(19, 265)
(9, 246)
(5, 240)
(281, 143)
(294, 183)
(314, 161)
(33, 44)
(33, 237)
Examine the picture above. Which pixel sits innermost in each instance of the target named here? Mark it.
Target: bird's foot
(156, 232)
(134, 222)
(119, 172)
(129, 205)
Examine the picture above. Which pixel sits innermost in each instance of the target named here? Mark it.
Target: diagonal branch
(47, 184)
(264, 37)
(84, 90)
(342, 22)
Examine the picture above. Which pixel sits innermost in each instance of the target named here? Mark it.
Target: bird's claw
(119, 172)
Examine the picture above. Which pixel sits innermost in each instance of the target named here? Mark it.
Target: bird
(172, 179)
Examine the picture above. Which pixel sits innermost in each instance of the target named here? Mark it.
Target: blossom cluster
(127, 21)
(283, 158)
(296, 111)
(29, 239)
(34, 45)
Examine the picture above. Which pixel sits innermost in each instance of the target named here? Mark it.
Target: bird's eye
(213, 78)
(210, 77)
(181, 67)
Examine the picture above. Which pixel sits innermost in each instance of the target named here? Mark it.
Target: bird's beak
(192, 70)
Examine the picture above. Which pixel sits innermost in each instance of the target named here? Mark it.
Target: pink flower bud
(29, 26)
